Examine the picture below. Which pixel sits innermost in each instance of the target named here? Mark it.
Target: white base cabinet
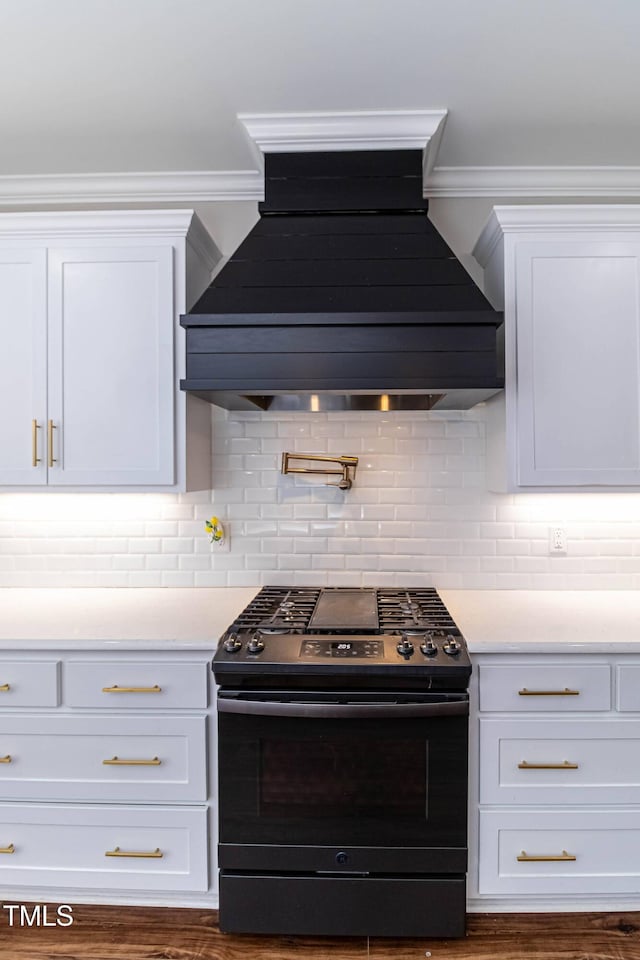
(555, 783)
(567, 278)
(564, 853)
(103, 848)
(106, 776)
(92, 351)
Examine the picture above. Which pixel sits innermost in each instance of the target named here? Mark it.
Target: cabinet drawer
(628, 676)
(605, 844)
(557, 688)
(153, 848)
(123, 684)
(574, 761)
(147, 759)
(29, 683)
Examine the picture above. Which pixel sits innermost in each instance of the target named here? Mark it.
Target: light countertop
(504, 621)
(547, 621)
(67, 618)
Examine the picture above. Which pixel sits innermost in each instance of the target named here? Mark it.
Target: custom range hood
(343, 296)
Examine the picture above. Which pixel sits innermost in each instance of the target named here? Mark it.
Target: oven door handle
(364, 711)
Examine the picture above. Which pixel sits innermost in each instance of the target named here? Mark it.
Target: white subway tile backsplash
(418, 513)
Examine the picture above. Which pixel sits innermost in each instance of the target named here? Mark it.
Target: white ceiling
(96, 86)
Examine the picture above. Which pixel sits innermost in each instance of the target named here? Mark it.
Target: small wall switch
(558, 541)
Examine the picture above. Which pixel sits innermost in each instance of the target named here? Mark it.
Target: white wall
(419, 512)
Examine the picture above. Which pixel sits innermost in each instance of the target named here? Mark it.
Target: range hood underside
(328, 401)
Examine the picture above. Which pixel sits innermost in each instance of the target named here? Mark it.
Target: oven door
(343, 782)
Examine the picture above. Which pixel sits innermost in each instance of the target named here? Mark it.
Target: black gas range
(403, 638)
(342, 764)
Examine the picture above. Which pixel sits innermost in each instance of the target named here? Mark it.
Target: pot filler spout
(343, 296)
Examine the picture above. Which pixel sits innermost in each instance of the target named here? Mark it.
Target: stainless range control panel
(342, 648)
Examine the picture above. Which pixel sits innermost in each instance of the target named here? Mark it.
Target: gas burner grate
(413, 609)
(281, 609)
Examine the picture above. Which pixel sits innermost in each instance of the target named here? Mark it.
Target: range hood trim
(445, 318)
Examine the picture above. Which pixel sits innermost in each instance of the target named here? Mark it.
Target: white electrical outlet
(558, 541)
(222, 546)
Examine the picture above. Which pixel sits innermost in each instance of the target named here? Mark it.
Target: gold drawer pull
(5, 687)
(565, 765)
(51, 428)
(35, 459)
(144, 854)
(7, 759)
(118, 762)
(532, 858)
(548, 693)
(116, 689)
(9, 849)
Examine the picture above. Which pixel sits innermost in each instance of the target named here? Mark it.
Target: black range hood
(343, 296)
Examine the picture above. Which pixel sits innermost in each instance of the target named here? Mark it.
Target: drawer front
(628, 676)
(605, 844)
(158, 848)
(572, 761)
(122, 684)
(103, 758)
(561, 687)
(29, 683)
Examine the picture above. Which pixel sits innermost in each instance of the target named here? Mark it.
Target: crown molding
(189, 186)
(591, 219)
(346, 130)
(206, 186)
(102, 223)
(534, 182)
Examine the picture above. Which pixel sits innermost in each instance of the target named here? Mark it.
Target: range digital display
(342, 648)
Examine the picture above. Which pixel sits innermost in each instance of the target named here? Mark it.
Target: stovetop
(324, 636)
(344, 610)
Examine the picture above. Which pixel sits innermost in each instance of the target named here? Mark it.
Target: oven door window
(301, 780)
(335, 777)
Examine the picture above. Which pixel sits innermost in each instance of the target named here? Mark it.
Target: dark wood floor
(140, 933)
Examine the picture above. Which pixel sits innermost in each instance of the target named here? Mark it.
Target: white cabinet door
(23, 366)
(111, 377)
(578, 363)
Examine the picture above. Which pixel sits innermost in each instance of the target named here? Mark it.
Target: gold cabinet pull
(7, 759)
(51, 428)
(140, 854)
(9, 849)
(116, 689)
(118, 762)
(548, 693)
(35, 459)
(565, 765)
(534, 858)
(5, 687)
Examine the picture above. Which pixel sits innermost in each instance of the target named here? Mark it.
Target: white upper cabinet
(569, 281)
(23, 365)
(92, 351)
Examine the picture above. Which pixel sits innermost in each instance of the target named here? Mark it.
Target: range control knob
(404, 646)
(428, 647)
(256, 644)
(232, 644)
(451, 646)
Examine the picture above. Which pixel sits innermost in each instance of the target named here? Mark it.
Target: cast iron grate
(413, 608)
